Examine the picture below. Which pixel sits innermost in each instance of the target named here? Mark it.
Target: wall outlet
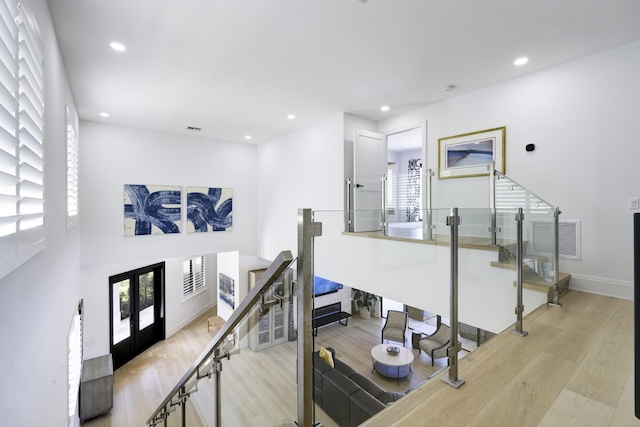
(634, 203)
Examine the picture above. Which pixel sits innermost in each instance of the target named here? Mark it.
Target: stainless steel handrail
(275, 270)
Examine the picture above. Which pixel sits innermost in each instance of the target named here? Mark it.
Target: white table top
(379, 354)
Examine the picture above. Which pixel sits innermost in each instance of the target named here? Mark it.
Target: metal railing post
(307, 230)
(348, 216)
(216, 367)
(429, 175)
(452, 352)
(556, 259)
(383, 181)
(519, 307)
(493, 227)
(184, 407)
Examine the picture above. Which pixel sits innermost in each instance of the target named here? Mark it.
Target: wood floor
(574, 368)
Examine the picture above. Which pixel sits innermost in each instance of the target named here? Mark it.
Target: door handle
(359, 185)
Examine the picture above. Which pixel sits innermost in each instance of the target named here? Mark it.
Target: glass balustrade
(371, 272)
(247, 375)
(366, 262)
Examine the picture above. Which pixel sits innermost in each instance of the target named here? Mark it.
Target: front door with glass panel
(137, 315)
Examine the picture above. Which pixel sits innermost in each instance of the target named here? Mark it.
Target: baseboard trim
(602, 286)
(190, 319)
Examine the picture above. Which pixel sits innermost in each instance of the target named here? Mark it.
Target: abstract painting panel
(209, 209)
(151, 209)
(227, 290)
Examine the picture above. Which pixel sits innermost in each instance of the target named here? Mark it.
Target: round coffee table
(391, 365)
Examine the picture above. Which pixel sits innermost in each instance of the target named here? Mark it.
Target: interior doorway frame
(423, 125)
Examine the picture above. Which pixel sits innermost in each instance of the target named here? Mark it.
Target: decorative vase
(364, 313)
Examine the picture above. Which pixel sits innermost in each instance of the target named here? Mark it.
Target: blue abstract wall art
(209, 209)
(227, 290)
(152, 209)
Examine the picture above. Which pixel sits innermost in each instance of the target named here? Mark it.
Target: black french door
(136, 307)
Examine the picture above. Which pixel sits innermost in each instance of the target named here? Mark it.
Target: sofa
(345, 395)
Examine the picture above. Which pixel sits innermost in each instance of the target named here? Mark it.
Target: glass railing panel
(258, 380)
(539, 235)
(175, 418)
(535, 285)
(194, 415)
(486, 295)
(250, 368)
(403, 270)
(474, 226)
(510, 195)
(404, 197)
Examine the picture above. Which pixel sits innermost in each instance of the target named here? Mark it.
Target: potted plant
(364, 301)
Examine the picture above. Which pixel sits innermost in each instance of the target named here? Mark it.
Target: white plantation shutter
(192, 276)
(21, 136)
(75, 362)
(72, 172)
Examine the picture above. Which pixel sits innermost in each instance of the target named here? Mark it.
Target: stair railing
(214, 353)
(505, 195)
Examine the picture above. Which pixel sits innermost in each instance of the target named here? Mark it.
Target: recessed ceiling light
(104, 114)
(247, 137)
(118, 46)
(291, 117)
(520, 61)
(384, 108)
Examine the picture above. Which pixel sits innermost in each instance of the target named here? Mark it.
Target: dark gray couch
(345, 395)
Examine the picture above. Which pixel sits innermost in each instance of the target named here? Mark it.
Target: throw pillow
(326, 356)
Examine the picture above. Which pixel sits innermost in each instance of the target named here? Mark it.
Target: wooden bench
(328, 314)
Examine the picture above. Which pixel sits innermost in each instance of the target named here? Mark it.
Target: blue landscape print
(209, 209)
(150, 209)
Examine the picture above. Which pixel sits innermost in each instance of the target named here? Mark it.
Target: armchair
(436, 344)
(395, 327)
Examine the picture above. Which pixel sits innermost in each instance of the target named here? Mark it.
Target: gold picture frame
(469, 154)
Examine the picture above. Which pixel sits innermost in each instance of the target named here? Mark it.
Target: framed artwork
(209, 209)
(151, 209)
(227, 290)
(469, 154)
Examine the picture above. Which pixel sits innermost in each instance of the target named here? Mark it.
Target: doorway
(406, 150)
(136, 308)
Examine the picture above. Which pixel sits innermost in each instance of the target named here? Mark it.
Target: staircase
(533, 271)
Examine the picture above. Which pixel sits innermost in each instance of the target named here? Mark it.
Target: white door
(368, 168)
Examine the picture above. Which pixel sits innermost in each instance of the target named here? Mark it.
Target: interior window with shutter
(193, 276)
(72, 171)
(21, 136)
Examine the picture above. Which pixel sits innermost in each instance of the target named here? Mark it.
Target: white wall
(38, 299)
(303, 169)
(581, 116)
(111, 156)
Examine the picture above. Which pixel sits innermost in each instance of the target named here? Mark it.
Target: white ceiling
(239, 67)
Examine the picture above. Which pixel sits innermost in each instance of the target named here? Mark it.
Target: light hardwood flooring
(574, 368)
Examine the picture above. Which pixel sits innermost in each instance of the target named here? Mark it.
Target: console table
(96, 387)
